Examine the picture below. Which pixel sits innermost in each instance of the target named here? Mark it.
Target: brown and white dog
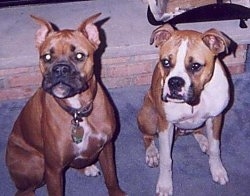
(69, 122)
(189, 92)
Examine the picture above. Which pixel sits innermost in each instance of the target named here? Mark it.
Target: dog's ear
(216, 41)
(89, 29)
(161, 34)
(44, 30)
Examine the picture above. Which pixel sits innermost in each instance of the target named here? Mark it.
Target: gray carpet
(191, 174)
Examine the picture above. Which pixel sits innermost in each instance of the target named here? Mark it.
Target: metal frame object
(213, 12)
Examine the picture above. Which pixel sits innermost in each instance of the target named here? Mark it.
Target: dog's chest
(92, 142)
(185, 116)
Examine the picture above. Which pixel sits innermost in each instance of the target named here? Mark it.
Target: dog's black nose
(176, 83)
(61, 70)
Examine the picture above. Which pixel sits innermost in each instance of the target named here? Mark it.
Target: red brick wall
(18, 83)
(236, 62)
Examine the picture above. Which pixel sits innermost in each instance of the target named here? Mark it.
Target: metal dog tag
(77, 132)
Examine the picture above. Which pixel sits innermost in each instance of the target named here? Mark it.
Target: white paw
(91, 170)
(218, 172)
(203, 142)
(152, 156)
(164, 190)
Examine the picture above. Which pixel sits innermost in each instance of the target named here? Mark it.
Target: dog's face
(66, 57)
(186, 61)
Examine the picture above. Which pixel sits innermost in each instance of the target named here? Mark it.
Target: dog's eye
(195, 67)
(47, 58)
(80, 56)
(165, 63)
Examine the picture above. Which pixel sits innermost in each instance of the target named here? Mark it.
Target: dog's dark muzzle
(64, 81)
(175, 92)
(175, 87)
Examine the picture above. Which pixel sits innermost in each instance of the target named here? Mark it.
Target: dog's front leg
(165, 185)
(54, 181)
(213, 128)
(107, 163)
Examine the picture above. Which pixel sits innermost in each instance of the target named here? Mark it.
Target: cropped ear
(89, 29)
(216, 41)
(44, 30)
(161, 34)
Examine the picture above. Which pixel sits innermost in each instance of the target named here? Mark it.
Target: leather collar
(80, 113)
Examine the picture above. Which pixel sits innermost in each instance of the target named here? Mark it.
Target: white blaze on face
(179, 69)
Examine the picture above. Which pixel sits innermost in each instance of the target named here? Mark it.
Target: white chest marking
(74, 102)
(89, 134)
(81, 147)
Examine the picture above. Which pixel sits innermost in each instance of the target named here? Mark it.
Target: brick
(117, 82)
(11, 71)
(140, 68)
(2, 85)
(238, 57)
(16, 93)
(118, 60)
(146, 57)
(236, 68)
(27, 79)
(115, 71)
(143, 79)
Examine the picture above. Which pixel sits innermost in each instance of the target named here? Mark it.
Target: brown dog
(189, 92)
(69, 122)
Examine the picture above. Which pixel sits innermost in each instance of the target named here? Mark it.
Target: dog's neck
(79, 112)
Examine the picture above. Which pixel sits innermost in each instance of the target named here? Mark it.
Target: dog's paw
(202, 141)
(166, 190)
(218, 172)
(91, 170)
(152, 156)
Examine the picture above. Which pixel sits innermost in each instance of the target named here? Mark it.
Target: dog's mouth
(175, 98)
(64, 87)
(61, 90)
(175, 95)
(179, 96)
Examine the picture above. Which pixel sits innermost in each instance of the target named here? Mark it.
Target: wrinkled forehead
(185, 45)
(65, 41)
